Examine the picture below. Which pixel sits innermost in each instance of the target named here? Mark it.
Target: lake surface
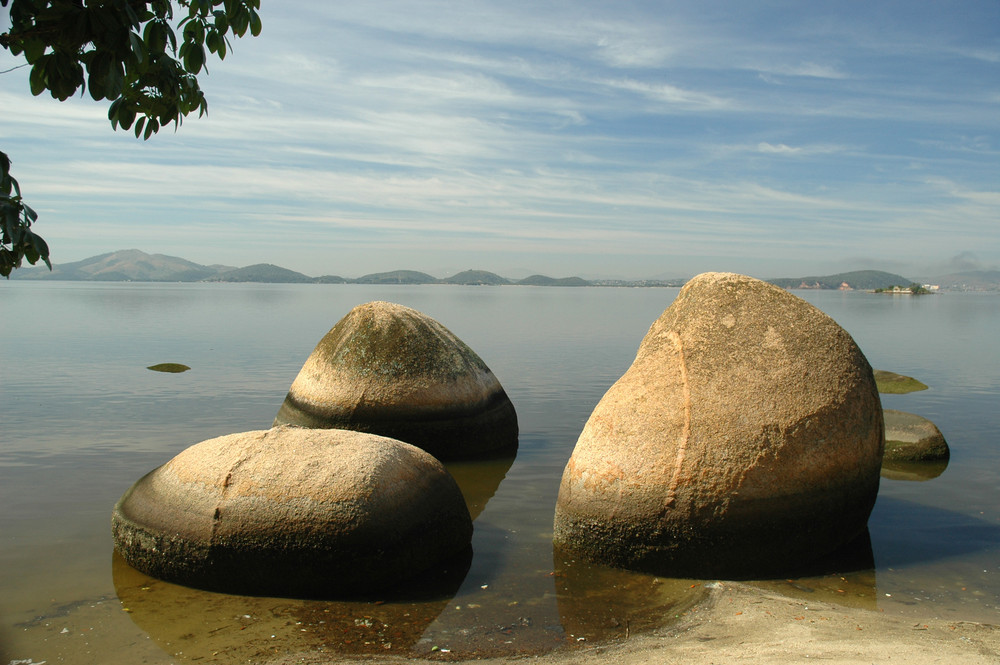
(82, 419)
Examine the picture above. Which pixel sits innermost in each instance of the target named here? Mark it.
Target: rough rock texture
(745, 438)
(390, 370)
(293, 512)
(912, 438)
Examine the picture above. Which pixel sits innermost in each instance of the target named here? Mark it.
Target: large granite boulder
(390, 370)
(293, 512)
(745, 439)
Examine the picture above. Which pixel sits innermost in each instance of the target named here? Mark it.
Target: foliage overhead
(134, 53)
(17, 240)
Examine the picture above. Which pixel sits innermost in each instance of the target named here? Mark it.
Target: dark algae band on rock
(393, 371)
(745, 439)
(295, 512)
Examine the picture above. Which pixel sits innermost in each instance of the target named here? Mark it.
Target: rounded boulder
(745, 440)
(391, 370)
(293, 512)
(913, 438)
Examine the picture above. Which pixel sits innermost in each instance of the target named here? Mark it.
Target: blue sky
(601, 139)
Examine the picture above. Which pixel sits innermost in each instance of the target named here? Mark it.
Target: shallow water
(83, 418)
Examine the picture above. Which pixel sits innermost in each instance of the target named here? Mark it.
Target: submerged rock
(293, 512)
(169, 368)
(896, 384)
(913, 438)
(390, 370)
(746, 437)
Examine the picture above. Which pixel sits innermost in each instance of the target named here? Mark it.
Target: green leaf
(221, 21)
(133, 19)
(41, 247)
(37, 78)
(255, 24)
(33, 49)
(98, 68)
(194, 32)
(138, 48)
(126, 115)
(194, 59)
(173, 39)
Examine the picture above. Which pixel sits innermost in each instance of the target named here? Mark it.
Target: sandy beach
(737, 623)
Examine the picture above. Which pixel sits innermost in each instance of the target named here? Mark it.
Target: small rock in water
(170, 368)
(912, 438)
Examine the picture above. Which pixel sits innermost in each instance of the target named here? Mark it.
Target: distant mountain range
(137, 266)
(133, 265)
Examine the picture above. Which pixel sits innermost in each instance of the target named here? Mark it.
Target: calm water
(82, 419)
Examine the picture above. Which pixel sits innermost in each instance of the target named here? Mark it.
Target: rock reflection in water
(847, 577)
(918, 471)
(479, 480)
(598, 603)
(196, 625)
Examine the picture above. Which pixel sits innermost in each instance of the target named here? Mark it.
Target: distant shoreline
(134, 265)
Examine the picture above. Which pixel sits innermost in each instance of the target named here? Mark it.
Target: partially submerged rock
(896, 384)
(169, 368)
(293, 512)
(390, 370)
(745, 438)
(913, 438)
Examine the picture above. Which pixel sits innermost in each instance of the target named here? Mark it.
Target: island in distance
(133, 265)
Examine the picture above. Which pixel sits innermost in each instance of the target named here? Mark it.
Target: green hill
(476, 277)
(397, 277)
(859, 279)
(127, 265)
(545, 280)
(262, 272)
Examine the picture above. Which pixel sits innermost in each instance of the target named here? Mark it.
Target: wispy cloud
(445, 132)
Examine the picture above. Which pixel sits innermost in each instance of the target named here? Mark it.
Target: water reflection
(846, 577)
(601, 603)
(190, 624)
(479, 480)
(598, 603)
(918, 471)
(907, 533)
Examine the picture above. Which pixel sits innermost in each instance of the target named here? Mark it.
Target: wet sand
(738, 623)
